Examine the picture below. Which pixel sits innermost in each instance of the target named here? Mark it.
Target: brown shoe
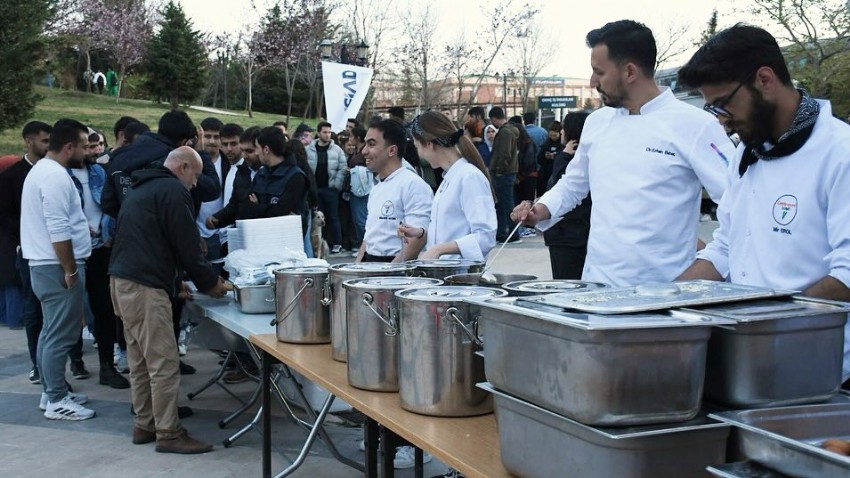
(140, 437)
(183, 444)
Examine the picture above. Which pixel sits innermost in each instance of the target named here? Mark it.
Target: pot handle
(327, 292)
(274, 293)
(291, 305)
(368, 301)
(452, 312)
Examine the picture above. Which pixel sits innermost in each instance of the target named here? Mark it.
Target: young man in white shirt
(212, 144)
(784, 222)
(56, 241)
(646, 158)
(400, 196)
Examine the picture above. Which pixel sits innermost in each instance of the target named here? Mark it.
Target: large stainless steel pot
(334, 296)
(442, 268)
(300, 316)
(372, 312)
(498, 279)
(600, 370)
(779, 352)
(537, 287)
(254, 299)
(536, 443)
(438, 367)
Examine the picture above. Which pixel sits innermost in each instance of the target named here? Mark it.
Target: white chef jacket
(786, 223)
(209, 208)
(464, 212)
(646, 172)
(401, 197)
(228, 181)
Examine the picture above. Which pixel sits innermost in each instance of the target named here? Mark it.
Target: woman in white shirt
(463, 214)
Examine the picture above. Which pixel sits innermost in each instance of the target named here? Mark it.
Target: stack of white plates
(271, 234)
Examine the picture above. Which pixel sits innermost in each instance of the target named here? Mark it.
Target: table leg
(371, 439)
(310, 438)
(388, 443)
(418, 466)
(267, 415)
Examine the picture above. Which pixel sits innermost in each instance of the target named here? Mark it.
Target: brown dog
(320, 246)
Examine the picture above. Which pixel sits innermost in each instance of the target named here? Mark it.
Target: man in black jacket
(242, 183)
(157, 237)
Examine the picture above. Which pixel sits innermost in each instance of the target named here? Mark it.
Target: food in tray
(841, 447)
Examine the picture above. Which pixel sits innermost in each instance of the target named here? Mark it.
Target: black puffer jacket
(157, 235)
(574, 229)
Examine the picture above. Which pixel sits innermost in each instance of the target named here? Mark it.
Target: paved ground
(35, 447)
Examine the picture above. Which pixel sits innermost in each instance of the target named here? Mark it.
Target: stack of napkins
(270, 234)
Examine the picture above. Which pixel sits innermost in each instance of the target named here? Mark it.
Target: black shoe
(78, 370)
(34, 377)
(182, 412)
(186, 369)
(109, 376)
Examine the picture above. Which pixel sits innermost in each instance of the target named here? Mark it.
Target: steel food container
(474, 279)
(537, 287)
(254, 299)
(438, 367)
(779, 352)
(372, 314)
(788, 439)
(300, 316)
(334, 296)
(611, 370)
(442, 268)
(744, 469)
(536, 443)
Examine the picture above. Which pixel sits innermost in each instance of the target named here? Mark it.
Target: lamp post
(505, 76)
(361, 53)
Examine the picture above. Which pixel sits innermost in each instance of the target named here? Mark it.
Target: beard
(610, 99)
(756, 130)
(75, 162)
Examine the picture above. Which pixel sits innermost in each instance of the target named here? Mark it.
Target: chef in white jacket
(785, 220)
(646, 156)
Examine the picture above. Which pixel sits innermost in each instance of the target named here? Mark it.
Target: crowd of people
(111, 234)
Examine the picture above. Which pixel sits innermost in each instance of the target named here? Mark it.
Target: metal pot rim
(389, 283)
(542, 285)
(370, 267)
(448, 293)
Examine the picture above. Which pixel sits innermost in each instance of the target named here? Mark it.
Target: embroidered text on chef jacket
(401, 197)
(464, 212)
(646, 172)
(786, 223)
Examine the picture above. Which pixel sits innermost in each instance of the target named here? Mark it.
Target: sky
(564, 22)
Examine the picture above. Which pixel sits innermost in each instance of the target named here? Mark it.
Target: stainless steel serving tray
(773, 309)
(656, 296)
(788, 439)
(744, 469)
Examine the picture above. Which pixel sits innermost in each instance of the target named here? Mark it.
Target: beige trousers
(151, 355)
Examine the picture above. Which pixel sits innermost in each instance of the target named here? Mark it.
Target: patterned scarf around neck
(791, 140)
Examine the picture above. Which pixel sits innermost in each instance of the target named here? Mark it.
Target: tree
(529, 54)
(370, 21)
(460, 62)
(21, 46)
(674, 39)
(710, 29)
(418, 53)
(176, 60)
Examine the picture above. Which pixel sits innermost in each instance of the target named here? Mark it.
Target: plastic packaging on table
(258, 268)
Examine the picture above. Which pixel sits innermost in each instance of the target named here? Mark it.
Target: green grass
(101, 112)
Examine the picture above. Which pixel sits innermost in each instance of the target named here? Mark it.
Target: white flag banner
(346, 87)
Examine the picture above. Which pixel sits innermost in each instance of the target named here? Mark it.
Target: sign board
(552, 102)
(345, 89)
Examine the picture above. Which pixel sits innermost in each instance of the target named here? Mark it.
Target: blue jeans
(63, 313)
(329, 205)
(504, 187)
(12, 306)
(359, 212)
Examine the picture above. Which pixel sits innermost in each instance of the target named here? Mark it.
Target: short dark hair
(574, 124)
(177, 126)
(211, 124)
(529, 117)
(496, 112)
(134, 129)
(250, 134)
(66, 131)
(122, 123)
(393, 134)
(517, 120)
(627, 41)
(555, 126)
(476, 111)
(323, 124)
(734, 54)
(353, 120)
(231, 129)
(281, 123)
(275, 139)
(396, 111)
(359, 132)
(34, 127)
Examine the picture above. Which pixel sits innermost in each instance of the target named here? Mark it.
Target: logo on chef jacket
(387, 210)
(785, 209)
(274, 200)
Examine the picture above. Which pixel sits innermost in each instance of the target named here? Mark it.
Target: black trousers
(97, 287)
(567, 261)
(370, 258)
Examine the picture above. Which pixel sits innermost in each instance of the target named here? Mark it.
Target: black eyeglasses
(719, 108)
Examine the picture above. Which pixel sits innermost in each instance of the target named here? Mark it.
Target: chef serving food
(646, 157)
(784, 222)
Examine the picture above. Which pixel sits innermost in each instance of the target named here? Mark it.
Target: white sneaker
(405, 457)
(87, 335)
(80, 398)
(67, 409)
(122, 365)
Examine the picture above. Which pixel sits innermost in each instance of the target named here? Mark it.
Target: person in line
(360, 183)
(646, 157)
(547, 154)
(56, 241)
(537, 134)
(300, 154)
(327, 162)
(463, 214)
(399, 197)
(778, 228)
(503, 171)
(281, 125)
(157, 236)
(243, 176)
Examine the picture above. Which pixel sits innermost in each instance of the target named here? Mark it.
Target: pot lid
(371, 267)
(773, 309)
(302, 270)
(545, 286)
(450, 293)
(435, 263)
(656, 296)
(390, 283)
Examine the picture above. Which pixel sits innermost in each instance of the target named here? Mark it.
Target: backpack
(528, 160)
(362, 181)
